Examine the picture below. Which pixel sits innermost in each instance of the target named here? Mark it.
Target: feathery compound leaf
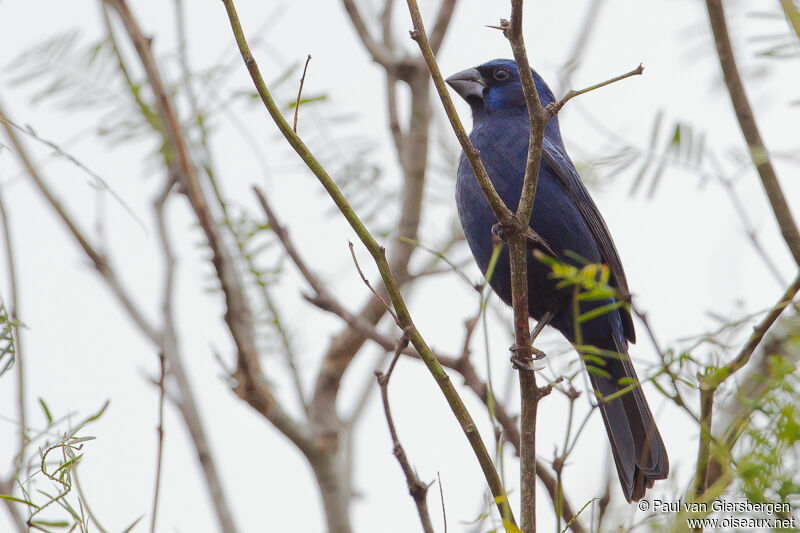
(7, 351)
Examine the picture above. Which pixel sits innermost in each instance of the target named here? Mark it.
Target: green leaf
(511, 527)
(10, 498)
(46, 410)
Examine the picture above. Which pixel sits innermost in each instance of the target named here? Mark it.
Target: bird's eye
(501, 74)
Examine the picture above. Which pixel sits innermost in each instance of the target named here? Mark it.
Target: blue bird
(567, 219)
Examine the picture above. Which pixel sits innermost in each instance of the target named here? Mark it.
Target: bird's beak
(467, 83)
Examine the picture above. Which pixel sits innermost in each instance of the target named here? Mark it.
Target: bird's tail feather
(636, 444)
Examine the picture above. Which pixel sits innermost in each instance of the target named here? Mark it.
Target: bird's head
(495, 88)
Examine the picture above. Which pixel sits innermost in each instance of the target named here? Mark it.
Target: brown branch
(7, 487)
(443, 19)
(416, 488)
(518, 254)
(378, 254)
(441, 496)
(747, 123)
(704, 445)
(160, 431)
(188, 405)
(14, 316)
(471, 379)
(733, 415)
(380, 54)
(250, 384)
(554, 107)
(299, 93)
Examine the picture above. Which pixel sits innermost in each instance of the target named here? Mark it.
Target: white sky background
(684, 251)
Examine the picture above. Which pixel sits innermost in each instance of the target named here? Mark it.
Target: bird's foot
(500, 232)
(519, 362)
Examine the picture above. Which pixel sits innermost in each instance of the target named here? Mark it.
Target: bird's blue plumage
(565, 216)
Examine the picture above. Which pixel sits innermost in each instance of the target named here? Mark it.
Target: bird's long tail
(638, 450)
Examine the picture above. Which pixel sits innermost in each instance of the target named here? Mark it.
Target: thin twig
(747, 122)
(369, 286)
(554, 107)
(14, 316)
(160, 431)
(96, 178)
(7, 487)
(416, 488)
(299, 93)
(704, 446)
(441, 497)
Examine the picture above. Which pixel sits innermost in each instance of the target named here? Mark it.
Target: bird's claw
(499, 231)
(521, 363)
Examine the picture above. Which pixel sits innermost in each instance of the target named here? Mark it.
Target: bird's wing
(554, 156)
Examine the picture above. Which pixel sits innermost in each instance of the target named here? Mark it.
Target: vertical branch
(13, 315)
(518, 252)
(160, 430)
(7, 487)
(529, 391)
(747, 123)
(537, 116)
(707, 391)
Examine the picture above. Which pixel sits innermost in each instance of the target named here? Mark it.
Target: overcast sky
(684, 249)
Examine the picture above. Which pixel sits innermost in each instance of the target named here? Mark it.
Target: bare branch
(380, 54)
(440, 26)
(704, 445)
(299, 93)
(251, 386)
(19, 358)
(7, 487)
(747, 122)
(160, 430)
(554, 107)
(369, 286)
(441, 496)
(416, 488)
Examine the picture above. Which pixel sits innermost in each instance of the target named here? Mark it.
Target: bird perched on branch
(567, 220)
